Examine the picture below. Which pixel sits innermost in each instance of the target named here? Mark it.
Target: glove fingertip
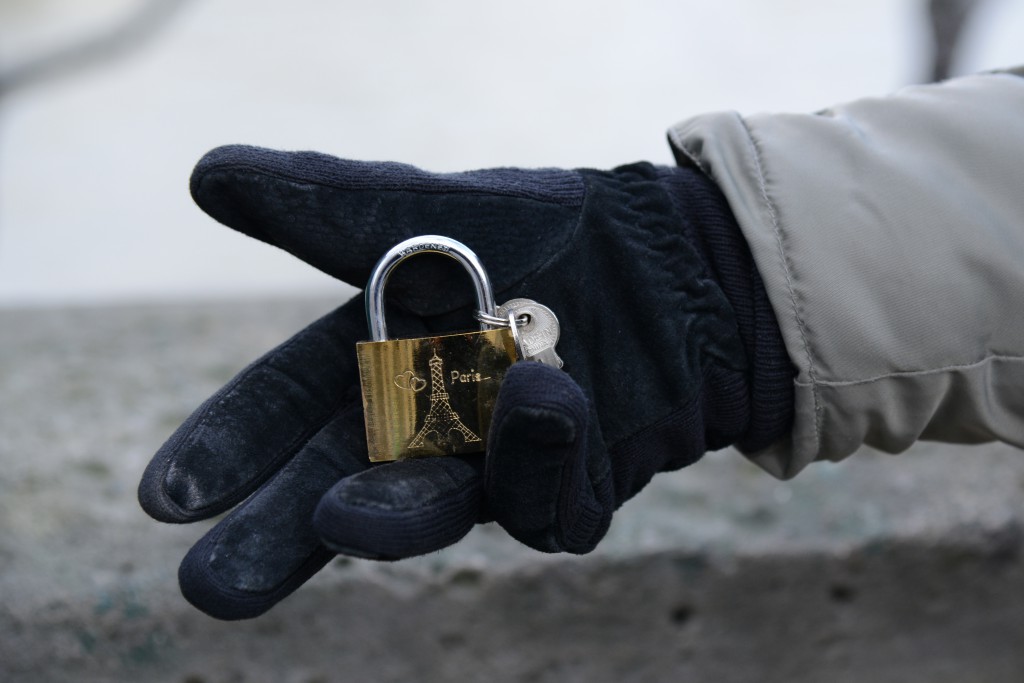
(155, 502)
(402, 509)
(155, 494)
(203, 589)
(540, 485)
(227, 156)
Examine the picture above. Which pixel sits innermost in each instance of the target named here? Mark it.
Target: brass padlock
(431, 395)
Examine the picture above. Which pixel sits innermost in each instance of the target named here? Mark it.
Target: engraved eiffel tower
(441, 420)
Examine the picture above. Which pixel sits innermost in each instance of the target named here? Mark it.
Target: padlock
(431, 395)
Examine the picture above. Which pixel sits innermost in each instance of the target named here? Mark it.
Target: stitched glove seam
(235, 169)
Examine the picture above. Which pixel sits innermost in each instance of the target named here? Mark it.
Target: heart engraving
(410, 382)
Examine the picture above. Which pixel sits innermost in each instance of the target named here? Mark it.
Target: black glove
(670, 350)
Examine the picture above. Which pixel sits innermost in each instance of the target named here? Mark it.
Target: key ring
(497, 321)
(513, 324)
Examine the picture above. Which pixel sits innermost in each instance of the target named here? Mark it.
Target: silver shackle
(418, 245)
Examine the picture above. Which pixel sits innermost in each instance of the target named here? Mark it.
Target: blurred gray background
(122, 307)
(95, 157)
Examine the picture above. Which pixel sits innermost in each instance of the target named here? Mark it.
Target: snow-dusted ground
(93, 167)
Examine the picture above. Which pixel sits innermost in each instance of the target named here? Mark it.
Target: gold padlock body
(432, 395)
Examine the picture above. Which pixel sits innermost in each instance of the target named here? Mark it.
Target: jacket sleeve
(890, 236)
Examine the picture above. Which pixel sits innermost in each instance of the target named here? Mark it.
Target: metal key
(539, 335)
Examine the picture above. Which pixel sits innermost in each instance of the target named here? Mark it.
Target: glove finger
(341, 216)
(402, 509)
(547, 479)
(239, 437)
(266, 547)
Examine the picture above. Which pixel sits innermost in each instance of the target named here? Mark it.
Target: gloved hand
(669, 344)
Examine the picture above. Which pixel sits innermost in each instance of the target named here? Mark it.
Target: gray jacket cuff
(890, 236)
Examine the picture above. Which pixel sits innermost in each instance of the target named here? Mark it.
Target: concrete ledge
(879, 568)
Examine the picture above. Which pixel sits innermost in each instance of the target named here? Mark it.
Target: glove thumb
(547, 478)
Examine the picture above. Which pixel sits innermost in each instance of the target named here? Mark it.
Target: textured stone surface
(879, 568)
